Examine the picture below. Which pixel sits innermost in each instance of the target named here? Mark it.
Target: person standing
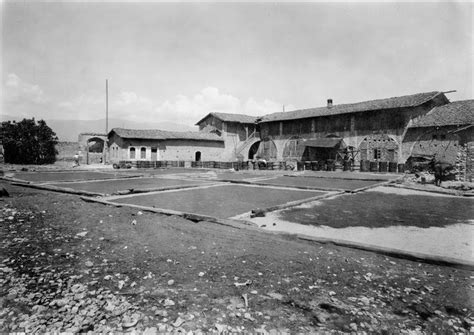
(76, 159)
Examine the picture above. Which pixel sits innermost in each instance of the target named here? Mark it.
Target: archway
(253, 150)
(267, 150)
(94, 145)
(95, 150)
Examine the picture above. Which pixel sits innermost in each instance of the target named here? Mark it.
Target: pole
(106, 147)
(106, 106)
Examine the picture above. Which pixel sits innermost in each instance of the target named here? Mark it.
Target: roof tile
(454, 113)
(156, 134)
(388, 103)
(228, 117)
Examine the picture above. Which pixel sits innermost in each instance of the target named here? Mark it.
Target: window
(132, 153)
(143, 153)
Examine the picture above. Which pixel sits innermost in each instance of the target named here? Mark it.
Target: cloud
(180, 109)
(189, 110)
(126, 104)
(82, 101)
(18, 90)
(253, 107)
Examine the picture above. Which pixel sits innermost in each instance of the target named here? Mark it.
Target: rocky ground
(427, 181)
(68, 265)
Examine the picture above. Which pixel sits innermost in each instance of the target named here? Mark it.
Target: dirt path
(69, 265)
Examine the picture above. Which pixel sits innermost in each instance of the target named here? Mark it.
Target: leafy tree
(29, 142)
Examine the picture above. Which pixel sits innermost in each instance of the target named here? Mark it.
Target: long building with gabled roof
(381, 130)
(155, 145)
(371, 130)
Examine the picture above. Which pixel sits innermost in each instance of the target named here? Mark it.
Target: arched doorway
(94, 145)
(267, 150)
(95, 150)
(253, 150)
(197, 156)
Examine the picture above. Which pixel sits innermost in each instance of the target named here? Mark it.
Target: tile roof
(228, 117)
(454, 113)
(156, 134)
(388, 103)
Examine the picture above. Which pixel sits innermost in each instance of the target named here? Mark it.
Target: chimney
(329, 103)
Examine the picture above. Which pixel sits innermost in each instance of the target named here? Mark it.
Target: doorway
(198, 156)
(154, 154)
(253, 150)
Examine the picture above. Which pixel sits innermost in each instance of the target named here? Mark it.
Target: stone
(150, 331)
(275, 295)
(161, 312)
(248, 317)
(130, 323)
(168, 302)
(178, 322)
(365, 300)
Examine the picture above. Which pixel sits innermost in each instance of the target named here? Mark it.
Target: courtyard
(316, 255)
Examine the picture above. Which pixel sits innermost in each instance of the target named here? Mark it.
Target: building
(385, 130)
(446, 132)
(241, 139)
(371, 130)
(159, 145)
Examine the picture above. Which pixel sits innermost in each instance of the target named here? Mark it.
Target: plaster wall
(183, 150)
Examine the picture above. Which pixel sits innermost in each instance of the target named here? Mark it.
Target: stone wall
(173, 150)
(448, 143)
(431, 141)
(364, 131)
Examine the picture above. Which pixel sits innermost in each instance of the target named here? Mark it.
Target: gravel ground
(68, 265)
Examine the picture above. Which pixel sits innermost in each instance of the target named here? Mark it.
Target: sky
(176, 62)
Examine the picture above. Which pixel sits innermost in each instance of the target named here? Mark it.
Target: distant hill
(69, 130)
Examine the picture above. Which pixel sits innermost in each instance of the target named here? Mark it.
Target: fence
(328, 165)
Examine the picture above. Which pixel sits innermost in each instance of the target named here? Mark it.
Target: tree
(28, 142)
